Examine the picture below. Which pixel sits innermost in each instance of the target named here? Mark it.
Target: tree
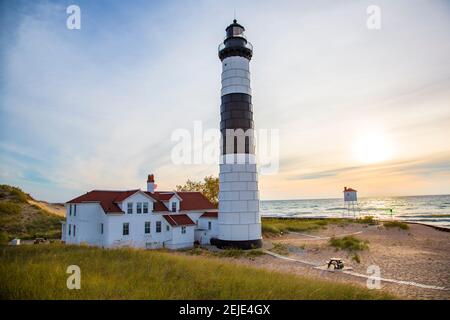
(209, 187)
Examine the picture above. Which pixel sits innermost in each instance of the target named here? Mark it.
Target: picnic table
(337, 263)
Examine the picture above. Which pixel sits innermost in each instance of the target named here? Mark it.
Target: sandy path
(420, 255)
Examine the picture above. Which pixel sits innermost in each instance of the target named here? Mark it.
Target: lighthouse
(239, 221)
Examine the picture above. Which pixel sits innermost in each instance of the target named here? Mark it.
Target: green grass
(227, 253)
(19, 219)
(9, 208)
(348, 243)
(367, 220)
(278, 226)
(396, 224)
(13, 193)
(280, 248)
(39, 272)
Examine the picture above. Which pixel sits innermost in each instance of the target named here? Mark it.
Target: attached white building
(136, 218)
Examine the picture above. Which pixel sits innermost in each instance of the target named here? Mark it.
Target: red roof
(348, 189)
(163, 196)
(109, 199)
(194, 201)
(214, 214)
(176, 220)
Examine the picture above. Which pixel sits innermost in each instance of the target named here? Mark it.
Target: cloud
(434, 164)
(95, 108)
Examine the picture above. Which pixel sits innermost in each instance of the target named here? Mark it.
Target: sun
(372, 148)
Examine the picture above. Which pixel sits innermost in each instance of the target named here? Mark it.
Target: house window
(70, 210)
(209, 225)
(145, 207)
(174, 207)
(101, 228)
(147, 226)
(139, 207)
(130, 207)
(158, 226)
(167, 228)
(74, 230)
(70, 228)
(74, 209)
(183, 229)
(126, 228)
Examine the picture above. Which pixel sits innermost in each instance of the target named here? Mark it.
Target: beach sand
(420, 254)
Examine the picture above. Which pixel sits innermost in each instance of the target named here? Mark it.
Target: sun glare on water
(372, 148)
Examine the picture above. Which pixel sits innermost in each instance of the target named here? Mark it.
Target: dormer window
(130, 207)
(174, 206)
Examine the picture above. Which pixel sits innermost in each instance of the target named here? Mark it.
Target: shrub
(367, 220)
(16, 193)
(348, 243)
(280, 248)
(396, 224)
(356, 258)
(8, 207)
(4, 238)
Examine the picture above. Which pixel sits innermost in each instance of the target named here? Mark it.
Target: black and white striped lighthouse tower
(239, 219)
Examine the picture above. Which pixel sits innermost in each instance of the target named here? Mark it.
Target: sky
(95, 108)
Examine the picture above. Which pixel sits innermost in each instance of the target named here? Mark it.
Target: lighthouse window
(237, 31)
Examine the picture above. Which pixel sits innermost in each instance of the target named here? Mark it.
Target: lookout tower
(350, 200)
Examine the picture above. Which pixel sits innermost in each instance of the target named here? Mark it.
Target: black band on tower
(236, 113)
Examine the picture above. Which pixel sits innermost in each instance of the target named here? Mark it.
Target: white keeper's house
(143, 219)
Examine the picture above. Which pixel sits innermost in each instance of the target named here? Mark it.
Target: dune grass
(20, 219)
(280, 248)
(278, 226)
(396, 224)
(39, 272)
(226, 253)
(349, 243)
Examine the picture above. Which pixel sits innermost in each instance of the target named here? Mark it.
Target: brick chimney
(151, 186)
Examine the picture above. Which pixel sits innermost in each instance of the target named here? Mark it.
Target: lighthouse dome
(235, 43)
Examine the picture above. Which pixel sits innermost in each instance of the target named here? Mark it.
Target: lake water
(433, 210)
